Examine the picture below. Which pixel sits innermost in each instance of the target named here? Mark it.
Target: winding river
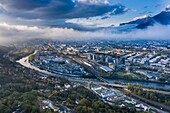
(25, 62)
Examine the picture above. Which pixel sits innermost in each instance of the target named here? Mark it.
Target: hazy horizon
(81, 19)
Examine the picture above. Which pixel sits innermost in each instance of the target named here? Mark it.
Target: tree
(139, 92)
(85, 102)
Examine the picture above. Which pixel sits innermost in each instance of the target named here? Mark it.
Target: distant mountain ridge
(161, 18)
(138, 21)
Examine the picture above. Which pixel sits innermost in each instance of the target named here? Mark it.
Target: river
(143, 83)
(25, 62)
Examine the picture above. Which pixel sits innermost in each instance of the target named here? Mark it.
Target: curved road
(159, 105)
(24, 62)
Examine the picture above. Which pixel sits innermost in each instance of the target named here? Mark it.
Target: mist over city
(84, 56)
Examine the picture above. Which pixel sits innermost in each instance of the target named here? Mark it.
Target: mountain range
(162, 18)
(142, 22)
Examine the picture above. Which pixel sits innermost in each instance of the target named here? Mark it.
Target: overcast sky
(104, 12)
(24, 15)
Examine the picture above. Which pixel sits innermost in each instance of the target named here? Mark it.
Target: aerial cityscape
(84, 56)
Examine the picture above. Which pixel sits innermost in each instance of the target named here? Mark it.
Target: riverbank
(143, 83)
(25, 62)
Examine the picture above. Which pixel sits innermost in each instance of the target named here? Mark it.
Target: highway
(25, 63)
(116, 85)
(105, 82)
(90, 69)
(125, 86)
(157, 91)
(145, 89)
(159, 105)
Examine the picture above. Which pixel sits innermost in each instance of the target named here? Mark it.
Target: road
(90, 69)
(105, 82)
(24, 61)
(157, 91)
(145, 89)
(159, 105)
(117, 85)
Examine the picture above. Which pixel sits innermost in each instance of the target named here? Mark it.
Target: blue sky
(141, 7)
(77, 19)
(136, 8)
(84, 12)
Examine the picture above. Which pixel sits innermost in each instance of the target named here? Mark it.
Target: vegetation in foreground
(20, 91)
(158, 97)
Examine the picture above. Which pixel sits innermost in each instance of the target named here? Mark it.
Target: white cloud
(13, 33)
(90, 1)
(167, 8)
(94, 1)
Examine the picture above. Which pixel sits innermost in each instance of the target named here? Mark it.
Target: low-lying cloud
(15, 33)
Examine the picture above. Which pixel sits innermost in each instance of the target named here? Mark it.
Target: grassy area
(121, 75)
